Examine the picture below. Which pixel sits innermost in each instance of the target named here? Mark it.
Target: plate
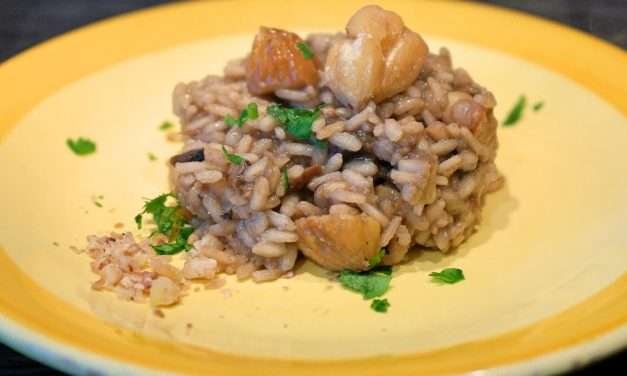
(545, 288)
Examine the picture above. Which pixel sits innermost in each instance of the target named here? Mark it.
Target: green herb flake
(152, 157)
(448, 275)
(286, 180)
(516, 112)
(537, 106)
(249, 113)
(252, 112)
(138, 221)
(231, 121)
(170, 220)
(376, 259)
(380, 305)
(233, 158)
(166, 125)
(370, 284)
(81, 146)
(305, 50)
(296, 121)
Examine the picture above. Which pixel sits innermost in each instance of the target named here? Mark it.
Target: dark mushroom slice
(195, 155)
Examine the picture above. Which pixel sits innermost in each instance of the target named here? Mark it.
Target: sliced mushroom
(195, 155)
(339, 241)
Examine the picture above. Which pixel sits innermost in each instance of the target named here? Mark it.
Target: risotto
(342, 148)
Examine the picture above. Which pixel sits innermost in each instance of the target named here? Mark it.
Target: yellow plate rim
(599, 339)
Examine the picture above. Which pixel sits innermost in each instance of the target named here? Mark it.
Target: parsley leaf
(370, 284)
(170, 221)
(305, 50)
(178, 245)
(249, 113)
(166, 125)
(516, 112)
(152, 157)
(285, 179)
(252, 112)
(81, 146)
(296, 121)
(233, 158)
(376, 259)
(138, 221)
(538, 106)
(448, 275)
(380, 305)
(231, 121)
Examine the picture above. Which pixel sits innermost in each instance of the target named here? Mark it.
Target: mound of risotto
(350, 149)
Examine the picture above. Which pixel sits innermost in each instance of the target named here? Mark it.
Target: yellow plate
(546, 286)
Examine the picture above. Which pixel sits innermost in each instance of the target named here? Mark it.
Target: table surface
(24, 23)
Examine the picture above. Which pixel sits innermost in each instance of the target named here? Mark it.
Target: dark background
(24, 23)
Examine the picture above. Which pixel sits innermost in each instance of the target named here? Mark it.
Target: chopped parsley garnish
(296, 121)
(448, 275)
(152, 157)
(285, 179)
(171, 221)
(377, 258)
(166, 125)
(537, 106)
(96, 200)
(233, 158)
(249, 113)
(516, 112)
(380, 305)
(81, 146)
(370, 284)
(305, 50)
(230, 121)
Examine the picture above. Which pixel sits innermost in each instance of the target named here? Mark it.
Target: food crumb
(166, 125)
(215, 283)
(76, 250)
(118, 225)
(285, 326)
(196, 289)
(56, 244)
(96, 200)
(221, 316)
(174, 137)
(384, 330)
(159, 313)
(189, 325)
